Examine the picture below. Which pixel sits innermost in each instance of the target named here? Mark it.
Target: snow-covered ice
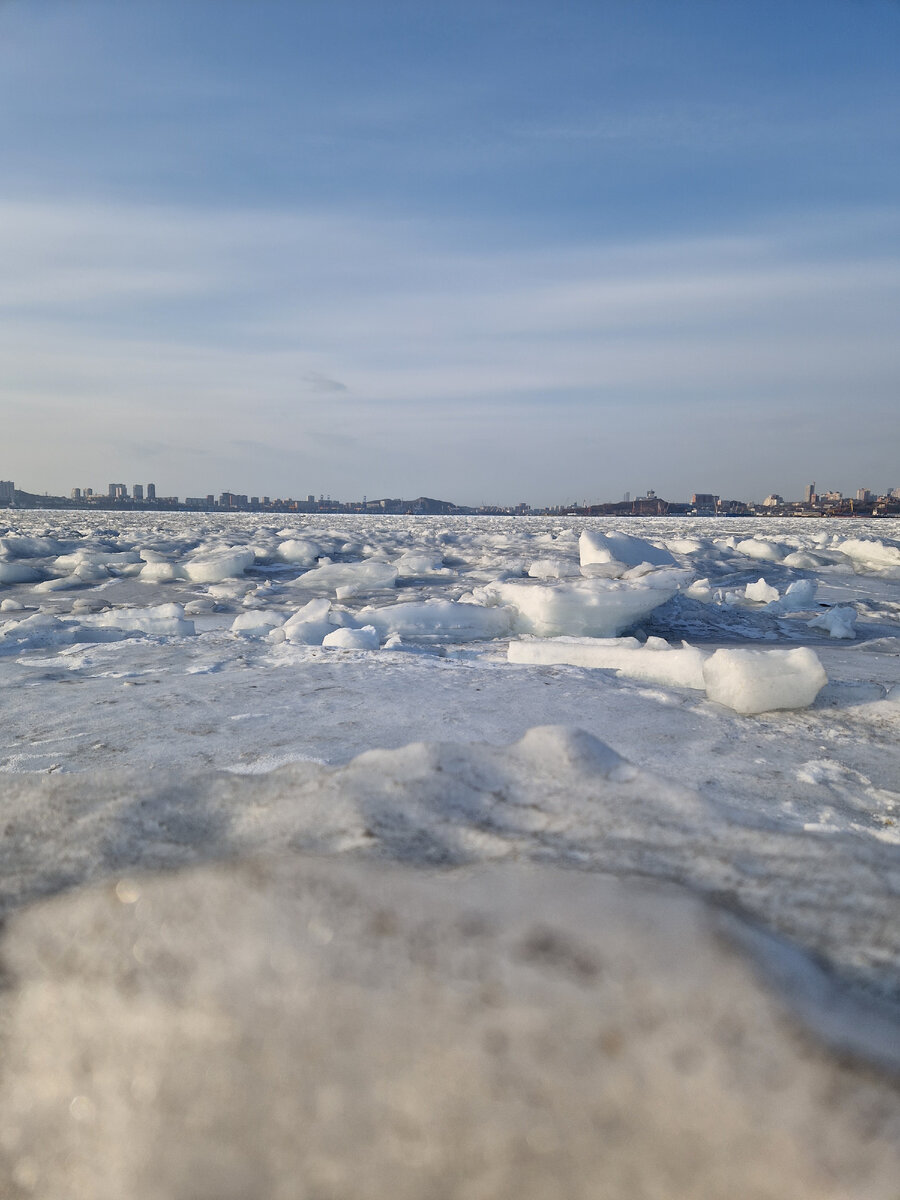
(681, 667)
(757, 681)
(688, 729)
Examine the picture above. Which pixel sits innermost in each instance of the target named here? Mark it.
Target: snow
(462, 708)
(756, 681)
(413, 1038)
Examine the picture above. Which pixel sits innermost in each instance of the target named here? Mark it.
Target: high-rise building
(151, 491)
(863, 495)
(7, 491)
(810, 493)
(138, 491)
(117, 491)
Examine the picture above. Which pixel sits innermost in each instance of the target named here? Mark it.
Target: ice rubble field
(698, 718)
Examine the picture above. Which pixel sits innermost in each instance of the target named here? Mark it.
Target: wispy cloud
(234, 327)
(316, 382)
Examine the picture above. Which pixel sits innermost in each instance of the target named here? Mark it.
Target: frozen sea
(378, 856)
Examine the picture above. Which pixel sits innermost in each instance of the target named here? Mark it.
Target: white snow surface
(461, 695)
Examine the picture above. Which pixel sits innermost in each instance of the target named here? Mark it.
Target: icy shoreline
(389, 696)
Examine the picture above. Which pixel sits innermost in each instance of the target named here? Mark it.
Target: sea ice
(430, 619)
(162, 620)
(365, 638)
(591, 607)
(871, 554)
(612, 553)
(256, 623)
(756, 681)
(161, 570)
(30, 547)
(761, 592)
(840, 622)
(761, 548)
(552, 568)
(220, 564)
(18, 572)
(301, 551)
(656, 662)
(310, 624)
(798, 598)
(365, 576)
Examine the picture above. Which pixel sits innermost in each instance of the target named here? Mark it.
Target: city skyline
(147, 495)
(505, 249)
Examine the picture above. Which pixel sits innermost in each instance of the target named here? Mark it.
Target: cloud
(124, 321)
(321, 383)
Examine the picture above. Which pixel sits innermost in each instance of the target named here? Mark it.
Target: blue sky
(488, 252)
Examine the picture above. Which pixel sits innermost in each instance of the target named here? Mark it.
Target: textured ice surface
(134, 694)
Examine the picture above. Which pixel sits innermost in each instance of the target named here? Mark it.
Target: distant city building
(232, 500)
(773, 500)
(310, 499)
(864, 496)
(151, 491)
(7, 491)
(138, 491)
(704, 500)
(117, 491)
(832, 497)
(76, 493)
(810, 496)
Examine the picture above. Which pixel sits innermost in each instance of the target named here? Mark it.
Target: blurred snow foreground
(266, 1022)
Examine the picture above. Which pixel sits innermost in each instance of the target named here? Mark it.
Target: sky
(488, 252)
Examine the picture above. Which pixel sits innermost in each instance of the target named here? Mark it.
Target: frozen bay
(192, 690)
